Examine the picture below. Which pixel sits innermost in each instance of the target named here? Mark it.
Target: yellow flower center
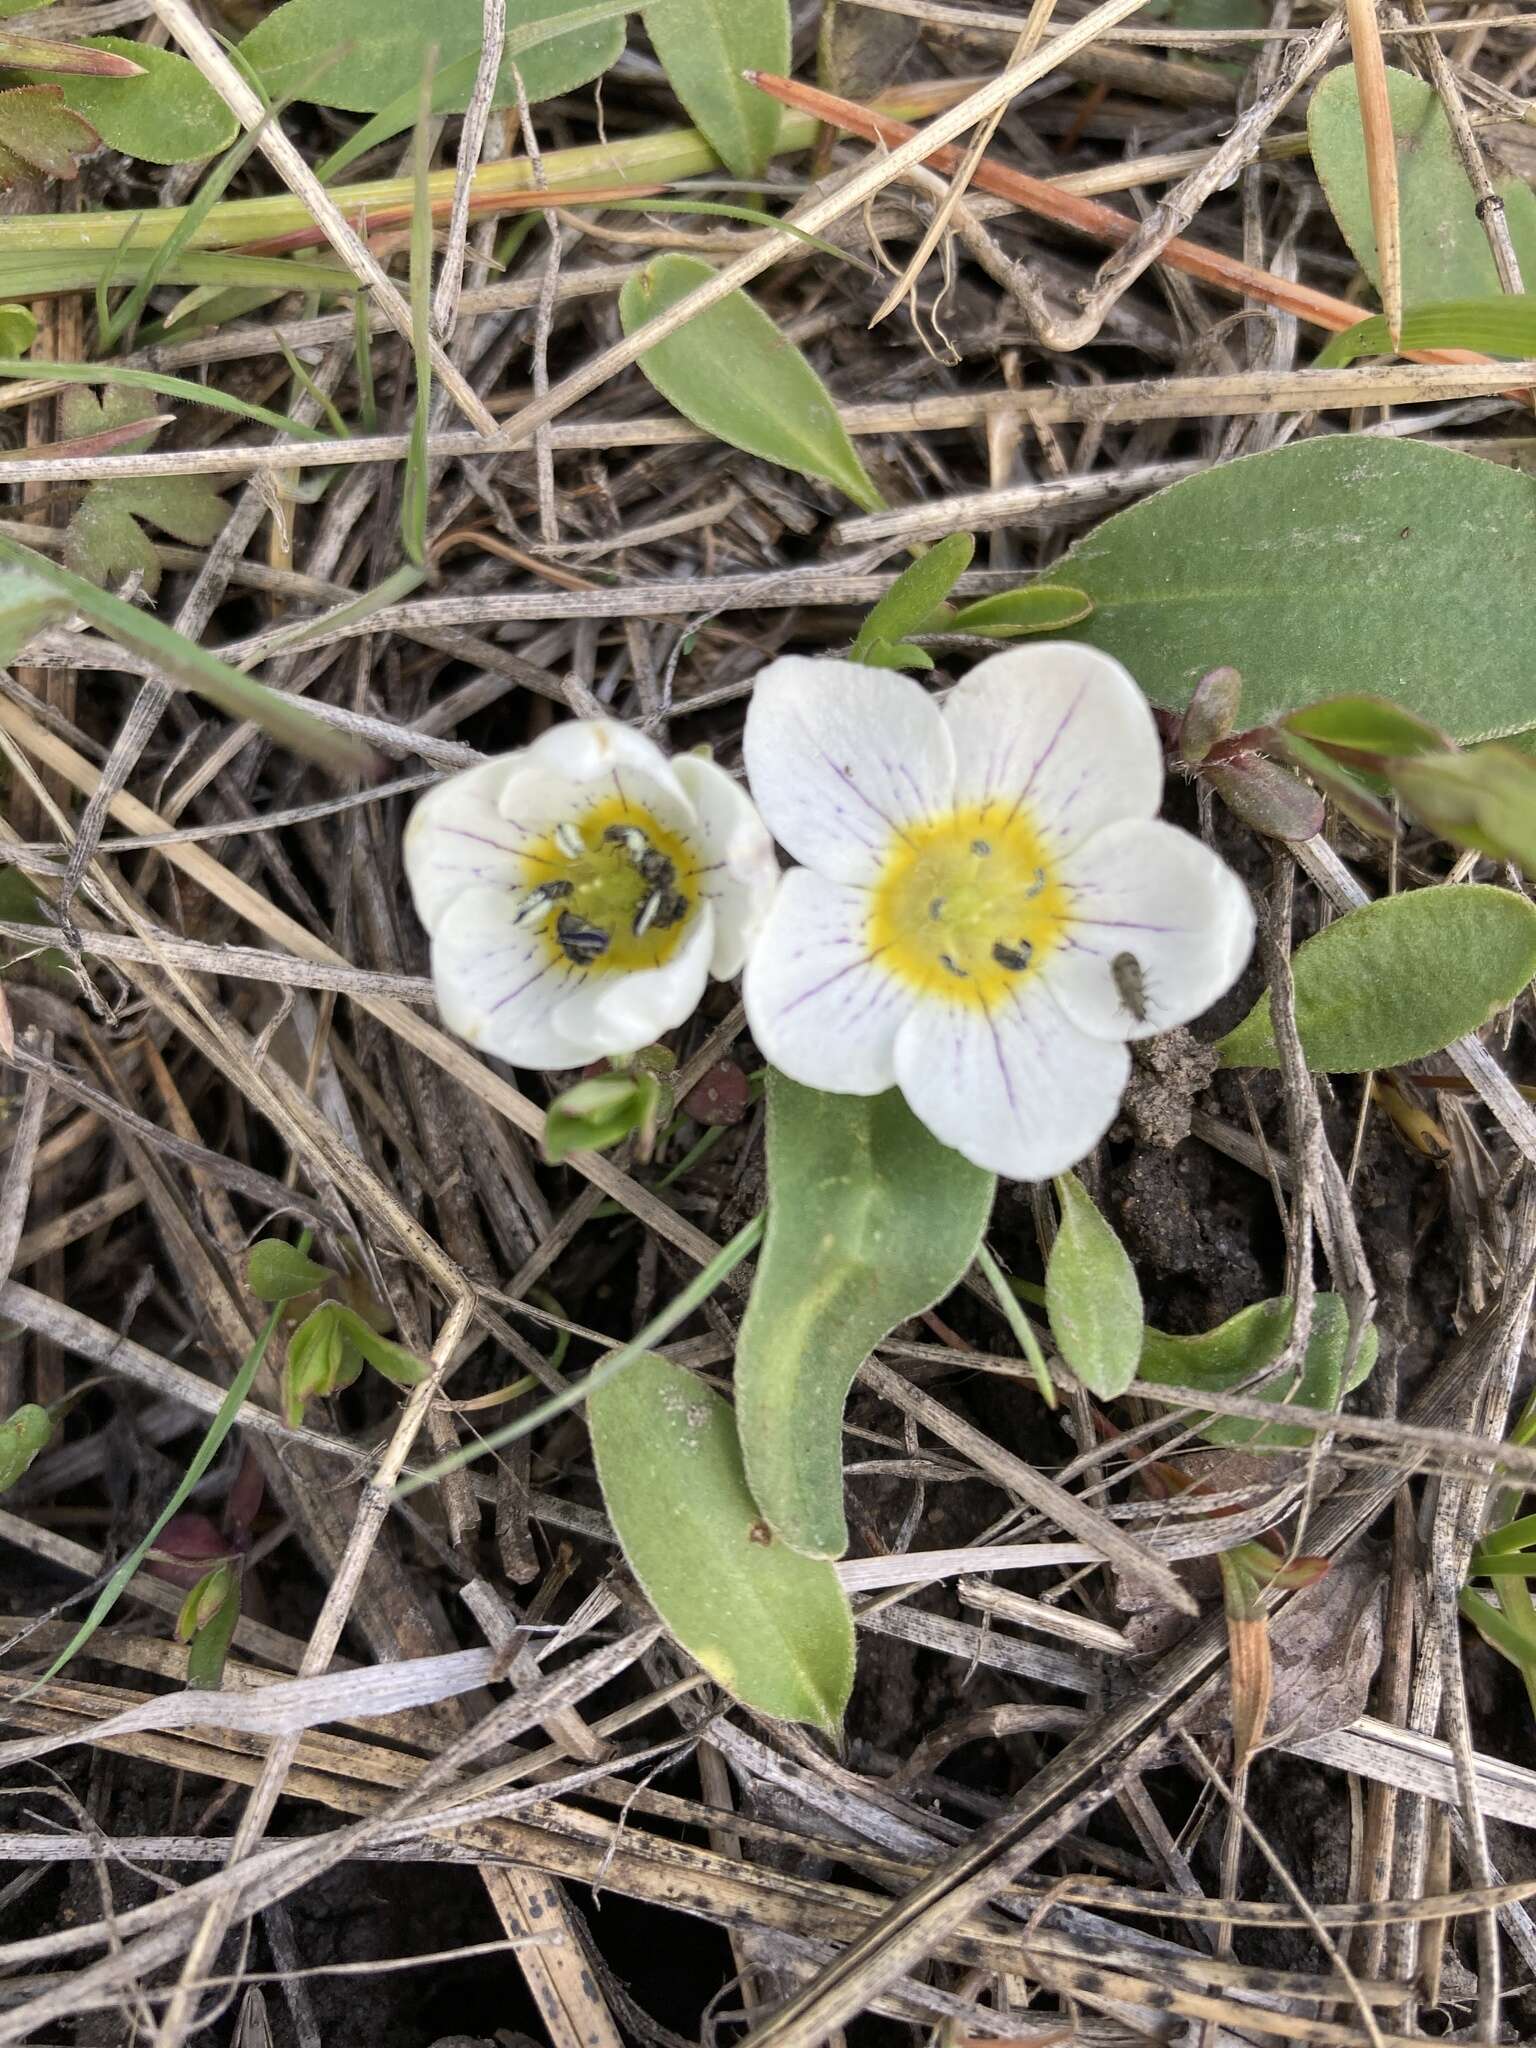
(968, 905)
(611, 889)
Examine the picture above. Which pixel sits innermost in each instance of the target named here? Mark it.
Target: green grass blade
(166, 387)
(1496, 327)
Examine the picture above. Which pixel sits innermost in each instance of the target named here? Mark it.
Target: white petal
(498, 985)
(457, 839)
(840, 757)
(738, 869)
(1060, 730)
(601, 751)
(1151, 891)
(616, 1013)
(820, 1008)
(1017, 1089)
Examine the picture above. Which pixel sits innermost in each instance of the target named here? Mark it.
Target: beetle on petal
(579, 892)
(974, 880)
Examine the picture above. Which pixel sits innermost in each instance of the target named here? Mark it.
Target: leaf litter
(626, 1768)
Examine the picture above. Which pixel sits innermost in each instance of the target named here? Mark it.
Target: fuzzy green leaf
(770, 1626)
(1091, 1295)
(704, 47)
(275, 1271)
(40, 135)
(363, 55)
(1220, 1359)
(103, 541)
(170, 114)
(1399, 980)
(25, 1433)
(731, 372)
(1333, 566)
(1445, 251)
(1037, 608)
(870, 1220)
(915, 596)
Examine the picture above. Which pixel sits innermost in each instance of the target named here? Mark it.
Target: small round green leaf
(1092, 1296)
(731, 372)
(1399, 979)
(770, 1626)
(170, 114)
(274, 1271)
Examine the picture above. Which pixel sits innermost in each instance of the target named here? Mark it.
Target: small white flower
(989, 906)
(579, 891)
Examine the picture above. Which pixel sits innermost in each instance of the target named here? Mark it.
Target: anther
(580, 941)
(630, 837)
(1014, 958)
(936, 909)
(981, 848)
(570, 842)
(960, 973)
(645, 916)
(537, 901)
(1036, 885)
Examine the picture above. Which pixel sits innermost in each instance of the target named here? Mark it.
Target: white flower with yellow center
(988, 906)
(579, 892)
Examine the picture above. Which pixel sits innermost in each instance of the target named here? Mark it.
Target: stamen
(674, 908)
(656, 869)
(645, 916)
(936, 909)
(570, 842)
(981, 848)
(580, 941)
(1014, 958)
(954, 968)
(537, 901)
(631, 838)
(1036, 885)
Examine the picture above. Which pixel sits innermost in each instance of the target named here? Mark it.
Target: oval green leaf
(1445, 251)
(731, 372)
(1370, 724)
(1091, 1295)
(170, 114)
(362, 55)
(771, 1627)
(915, 596)
(870, 1220)
(1332, 566)
(1038, 608)
(1399, 979)
(275, 1271)
(1220, 1359)
(704, 47)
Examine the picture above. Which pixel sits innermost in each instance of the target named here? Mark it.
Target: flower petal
(612, 1014)
(1061, 729)
(1146, 890)
(840, 757)
(498, 985)
(820, 1008)
(738, 869)
(602, 751)
(457, 839)
(1017, 1089)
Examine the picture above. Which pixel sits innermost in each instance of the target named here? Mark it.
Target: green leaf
(870, 1220)
(399, 1366)
(1037, 608)
(1221, 1359)
(103, 540)
(771, 1627)
(207, 1621)
(1091, 1295)
(1399, 980)
(321, 1360)
(1212, 713)
(704, 47)
(1499, 327)
(915, 595)
(18, 330)
(1445, 252)
(1370, 725)
(597, 1113)
(1485, 799)
(731, 372)
(894, 654)
(275, 1271)
(169, 115)
(1335, 565)
(180, 660)
(40, 135)
(25, 1433)
(28, 603)
(362, 55)
(1267, 796)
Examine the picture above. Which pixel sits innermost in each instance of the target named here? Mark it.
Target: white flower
(579, 891)
(989, 906)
